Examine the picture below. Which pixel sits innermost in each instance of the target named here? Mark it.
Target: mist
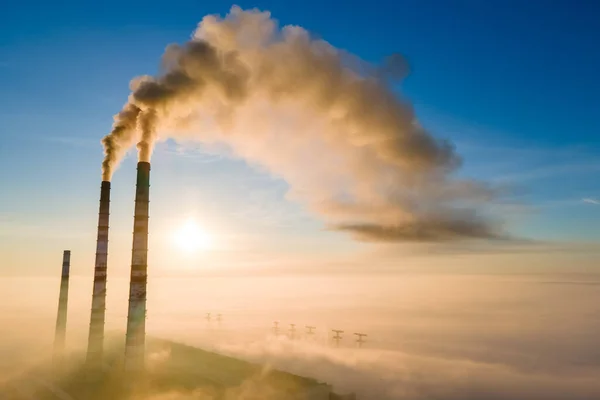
(330, 124)
(430, 336)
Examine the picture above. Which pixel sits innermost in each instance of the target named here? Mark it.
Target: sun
(190, 237)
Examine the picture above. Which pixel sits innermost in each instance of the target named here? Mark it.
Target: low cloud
(394, 375)
(444, 337)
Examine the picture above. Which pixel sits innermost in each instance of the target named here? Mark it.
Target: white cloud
(591, 201)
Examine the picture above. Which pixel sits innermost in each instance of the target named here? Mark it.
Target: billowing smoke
(323, 120)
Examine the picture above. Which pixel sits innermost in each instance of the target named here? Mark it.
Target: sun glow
(190, 237)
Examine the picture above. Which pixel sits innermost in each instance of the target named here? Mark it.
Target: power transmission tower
(337, 337)
(207, 317)
(310, 330)
(292, 331)
(359, 339)
(276, 328)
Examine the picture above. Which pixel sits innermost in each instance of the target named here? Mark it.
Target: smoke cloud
(322, 119)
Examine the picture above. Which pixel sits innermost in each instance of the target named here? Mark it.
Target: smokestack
(96, 334)
(61, 317)
(136, 318)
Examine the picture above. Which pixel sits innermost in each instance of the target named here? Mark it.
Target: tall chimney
(136, 318)
(63, 299)
(96, 334)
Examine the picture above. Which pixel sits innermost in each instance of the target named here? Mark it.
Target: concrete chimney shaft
(63, 299)
(136, 319)
(96, 334)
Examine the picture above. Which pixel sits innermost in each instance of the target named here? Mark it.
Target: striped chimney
(96, 334)
(136, 318)
(63, 299)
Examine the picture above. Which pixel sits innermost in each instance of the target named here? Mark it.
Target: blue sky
(515, 86)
